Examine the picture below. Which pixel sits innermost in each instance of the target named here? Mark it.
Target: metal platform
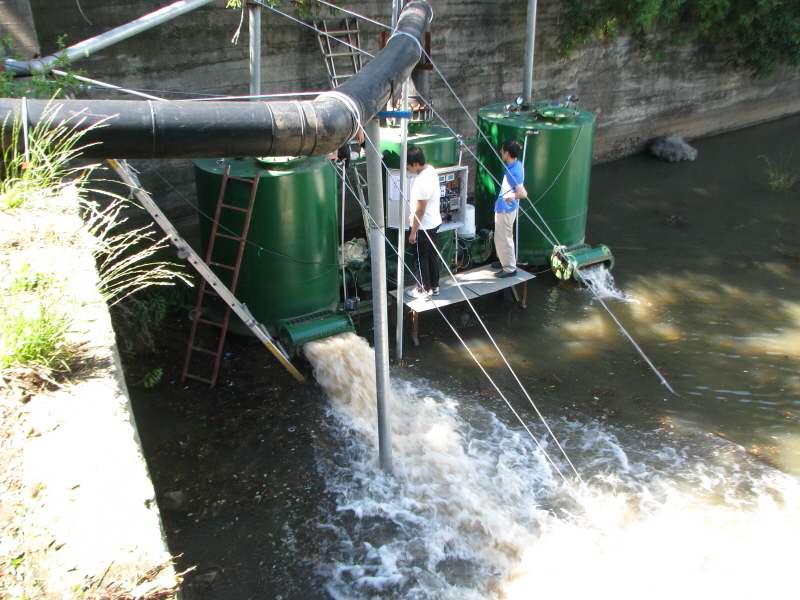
(477, 282)
(474, 283)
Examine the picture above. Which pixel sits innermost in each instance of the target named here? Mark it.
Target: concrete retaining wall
(478, 45)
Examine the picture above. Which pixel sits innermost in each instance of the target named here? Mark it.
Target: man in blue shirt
(506, 208)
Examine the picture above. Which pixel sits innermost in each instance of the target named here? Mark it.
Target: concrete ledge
(85, 505)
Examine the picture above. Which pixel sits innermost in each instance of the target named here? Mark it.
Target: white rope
(549, 238)
(355, 14)
(258, 96)
(627, 335)
(486, 330)
(461, 340)
(102, 84)
(210, 219)
(238, 32)
(544, 235)
(341, 238)
(307, 26)
(536, 210)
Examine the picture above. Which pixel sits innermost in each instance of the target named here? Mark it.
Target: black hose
(186, 129)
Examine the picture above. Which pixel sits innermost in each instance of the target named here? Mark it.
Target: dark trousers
(427, 259)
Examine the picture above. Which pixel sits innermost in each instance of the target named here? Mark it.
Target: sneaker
(435, 291)
(496, 265)
(505, 274)
(418, 293)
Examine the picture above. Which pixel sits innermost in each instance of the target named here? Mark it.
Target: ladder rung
(229, 237)
(212, 323)
(216, 264)
(337, 54)
(232, 207)
(197, 378)
(242, 179)
(203, 350)
(344, 76)
(335, 32)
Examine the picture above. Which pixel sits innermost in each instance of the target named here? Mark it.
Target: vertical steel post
(377, 251)
(401, 230)
(254, 11)
(396, 6)
(530, 47)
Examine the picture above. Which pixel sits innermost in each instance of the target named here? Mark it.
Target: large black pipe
(185, 129)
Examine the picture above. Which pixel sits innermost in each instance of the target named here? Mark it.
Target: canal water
(694, 493)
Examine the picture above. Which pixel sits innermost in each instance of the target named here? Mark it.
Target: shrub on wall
(761, 34)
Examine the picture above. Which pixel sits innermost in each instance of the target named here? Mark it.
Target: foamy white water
(474, 510)
(601, 282)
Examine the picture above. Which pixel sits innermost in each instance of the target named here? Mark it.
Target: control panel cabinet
(452, 197)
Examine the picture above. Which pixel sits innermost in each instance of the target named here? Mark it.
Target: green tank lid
(438, 143)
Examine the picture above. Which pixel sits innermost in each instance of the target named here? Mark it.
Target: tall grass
(39, 161)
(40, 165)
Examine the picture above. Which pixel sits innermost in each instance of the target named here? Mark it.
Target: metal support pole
(401, 220)
(104, 40)
(377, 251)
(254, 11)
(530, 47)
(396, 6)
(401, 229)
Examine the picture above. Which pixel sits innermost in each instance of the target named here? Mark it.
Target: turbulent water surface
(476, 511)
(692, 495)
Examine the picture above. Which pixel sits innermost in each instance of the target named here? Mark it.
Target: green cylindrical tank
(290, 265)
(438, 143)
(558, 162)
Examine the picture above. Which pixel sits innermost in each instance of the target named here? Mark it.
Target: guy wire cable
(365, 211)
(430, 105)
(486, 329)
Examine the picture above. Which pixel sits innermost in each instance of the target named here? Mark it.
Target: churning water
(475, 511)
(601, 282)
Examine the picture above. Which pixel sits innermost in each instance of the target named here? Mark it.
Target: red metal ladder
(203, 291)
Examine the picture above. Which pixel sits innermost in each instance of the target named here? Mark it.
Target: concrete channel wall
(478, 45)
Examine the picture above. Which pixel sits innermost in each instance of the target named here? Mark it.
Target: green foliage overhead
(38, 85)
(761, 34)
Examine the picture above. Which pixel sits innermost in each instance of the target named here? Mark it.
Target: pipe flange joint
(351, 105)
(411, 37)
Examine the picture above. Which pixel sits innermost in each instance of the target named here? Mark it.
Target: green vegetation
(762, 34)
(34, 339)
(38, 85)
(37, 161)
(782, 174)
(41, 182)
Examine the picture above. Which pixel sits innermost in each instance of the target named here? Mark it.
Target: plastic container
(467, 231)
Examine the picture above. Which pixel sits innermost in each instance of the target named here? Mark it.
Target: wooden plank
(474, 283)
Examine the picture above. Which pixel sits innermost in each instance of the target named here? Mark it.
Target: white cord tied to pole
(238, 32)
